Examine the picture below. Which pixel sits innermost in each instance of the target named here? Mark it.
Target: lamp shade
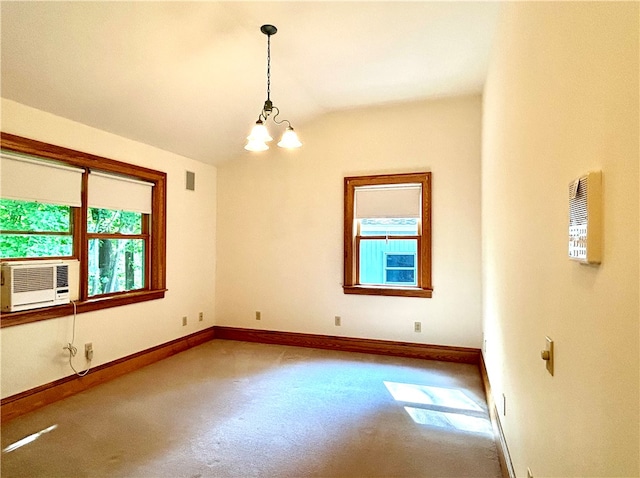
(290, 139)
(259, 133)
(254, 145)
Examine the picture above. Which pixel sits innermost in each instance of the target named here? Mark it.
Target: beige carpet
(236, 409)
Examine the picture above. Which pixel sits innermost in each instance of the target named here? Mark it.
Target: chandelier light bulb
(253, 145)
(289, 139)
(259, 133)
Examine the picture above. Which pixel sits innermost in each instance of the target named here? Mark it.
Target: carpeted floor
(237, 409)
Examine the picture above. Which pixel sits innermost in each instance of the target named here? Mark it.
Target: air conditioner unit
(31, 285)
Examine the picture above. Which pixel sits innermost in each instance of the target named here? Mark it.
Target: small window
(388, 235)
(400, 268)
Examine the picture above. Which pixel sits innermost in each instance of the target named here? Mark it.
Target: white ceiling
(190, 77)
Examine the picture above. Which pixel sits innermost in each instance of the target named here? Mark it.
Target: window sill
(388, 291)
(10, 319)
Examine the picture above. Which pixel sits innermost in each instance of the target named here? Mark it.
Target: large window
(387, 235)
(107, 215)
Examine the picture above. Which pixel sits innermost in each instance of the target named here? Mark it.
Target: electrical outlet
(88, 351)
(338, 321)
(184, 321)
(417, 326)
(258, 315)
(200, 316)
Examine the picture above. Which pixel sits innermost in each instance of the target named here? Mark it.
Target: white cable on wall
(73, 349)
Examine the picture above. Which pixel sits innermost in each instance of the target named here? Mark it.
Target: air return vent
(191, 181)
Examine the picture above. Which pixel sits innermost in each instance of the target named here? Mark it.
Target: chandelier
(259, 136)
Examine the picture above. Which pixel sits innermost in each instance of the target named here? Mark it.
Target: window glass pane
(374, 257)
(401, 276)
(401, 260)
(33, 245)
(28, 216)
(115, 265)
(389, 227)
(31, 218)
(108, 221)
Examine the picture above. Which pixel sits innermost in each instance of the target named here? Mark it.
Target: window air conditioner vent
(62, 276)
(32, 279)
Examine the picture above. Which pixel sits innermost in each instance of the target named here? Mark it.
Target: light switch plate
(549, 348)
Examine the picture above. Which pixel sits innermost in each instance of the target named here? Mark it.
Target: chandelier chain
(268, 67)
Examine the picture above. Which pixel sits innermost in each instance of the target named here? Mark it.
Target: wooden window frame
(155, 267)
(424, 287)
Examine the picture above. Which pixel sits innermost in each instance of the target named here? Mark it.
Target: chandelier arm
(280, 121)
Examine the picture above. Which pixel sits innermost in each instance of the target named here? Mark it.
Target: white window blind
(28, 178)
(388, 201)
(107, 191)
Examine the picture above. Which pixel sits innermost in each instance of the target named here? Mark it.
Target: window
(116, 251)
(107, 215)
(37, 207)
(387, 235)
(117, 233)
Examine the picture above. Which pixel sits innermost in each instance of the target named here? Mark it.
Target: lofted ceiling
(190, 77)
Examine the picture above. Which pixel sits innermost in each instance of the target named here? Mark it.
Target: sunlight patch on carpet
(28, 439)
(427, 395)
(441, 407)
(454, 421)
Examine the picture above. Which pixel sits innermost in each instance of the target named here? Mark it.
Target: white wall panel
(280, 225)
(561, 99)
(32, 354)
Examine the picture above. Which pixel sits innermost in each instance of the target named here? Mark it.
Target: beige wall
(280, 233)
(32, 354)
(562, 99)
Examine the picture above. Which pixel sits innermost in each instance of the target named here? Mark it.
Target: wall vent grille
(585, 218)
(191, 181)
(578, 213)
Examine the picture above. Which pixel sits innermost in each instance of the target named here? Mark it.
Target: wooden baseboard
(46, 394)
(30, 400)
(498, 434)
(350, 344)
